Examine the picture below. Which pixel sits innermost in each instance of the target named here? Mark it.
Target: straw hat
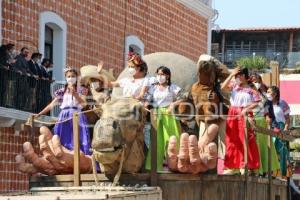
(91, 71)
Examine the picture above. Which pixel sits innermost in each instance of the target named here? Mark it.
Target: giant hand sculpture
(189, 158)
(54, 158)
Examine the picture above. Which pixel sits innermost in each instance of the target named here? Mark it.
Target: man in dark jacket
(34, 66)
(21, 62)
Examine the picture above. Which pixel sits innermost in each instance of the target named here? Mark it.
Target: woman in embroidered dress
(136, 85)
(264, 117)
(164, 96)
(282, 115)
(243, 100)
(71, 100)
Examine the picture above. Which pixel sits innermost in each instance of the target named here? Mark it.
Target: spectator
(45, 66)
(34, 66)
(12, 52)
(21, 62)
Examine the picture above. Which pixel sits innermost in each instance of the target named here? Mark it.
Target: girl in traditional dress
(164, 96)
(71, 99)
(282, 115)
(243, 100)
(264, 117)
(136, 86)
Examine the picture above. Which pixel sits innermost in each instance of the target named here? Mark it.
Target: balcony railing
(23, 92)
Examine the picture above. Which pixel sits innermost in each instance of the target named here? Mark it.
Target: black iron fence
(23, 92)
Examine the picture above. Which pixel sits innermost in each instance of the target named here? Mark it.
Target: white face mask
(71, 80)
(132, 71)
(95, 85)
(237, 81)
(161, 78)
(269, 97)
(257, 85)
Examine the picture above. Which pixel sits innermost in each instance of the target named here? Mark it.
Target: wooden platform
(185, 186)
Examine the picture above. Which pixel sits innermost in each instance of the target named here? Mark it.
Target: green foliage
(253, 62)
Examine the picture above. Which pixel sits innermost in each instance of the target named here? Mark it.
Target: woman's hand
(244, 112)
(36, 115)
(235, 71)
(170, 108)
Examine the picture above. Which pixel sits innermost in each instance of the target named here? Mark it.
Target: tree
(253, 62)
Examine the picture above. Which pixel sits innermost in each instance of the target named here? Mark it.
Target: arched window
(133, 44)
(53, 41)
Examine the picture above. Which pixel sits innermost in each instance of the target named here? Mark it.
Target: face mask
(95, 85)
(161, 79)
(269, 97)
(131, 71)
(237, 81)
(71, 80)
(257, 85)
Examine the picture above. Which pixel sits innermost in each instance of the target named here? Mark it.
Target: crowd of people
(24, 74)
(249, 97)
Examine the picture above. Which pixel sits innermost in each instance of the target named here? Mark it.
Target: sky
(257, 13)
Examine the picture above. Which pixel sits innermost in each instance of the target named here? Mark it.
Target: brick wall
(96, 29)
(11, 180)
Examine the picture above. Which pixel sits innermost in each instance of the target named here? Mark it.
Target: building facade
(77, 33)
(280, 44)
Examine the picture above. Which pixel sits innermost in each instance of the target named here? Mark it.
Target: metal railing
(23, 92)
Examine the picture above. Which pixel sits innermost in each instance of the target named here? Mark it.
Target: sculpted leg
(40, 163)
(183, 156)
(24, 167)
(209, 156)
(208, 136)
(172, 154)
(196, 164)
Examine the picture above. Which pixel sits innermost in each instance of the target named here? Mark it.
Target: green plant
(253, 62)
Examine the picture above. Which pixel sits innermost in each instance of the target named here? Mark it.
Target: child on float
(136, 85)
(264, 117)
(71, 99)
(164, 97)
(243, 99)
(282, 116)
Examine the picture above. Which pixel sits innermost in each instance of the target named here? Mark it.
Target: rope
(117, 176)
(94, 170)
(62, 121)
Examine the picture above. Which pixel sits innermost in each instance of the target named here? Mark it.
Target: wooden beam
(223, 46)
(153, 139)
(291, 41)
(275, 73)
(76, 140)
(282, 135)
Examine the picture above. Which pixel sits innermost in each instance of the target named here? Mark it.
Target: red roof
(262, 29)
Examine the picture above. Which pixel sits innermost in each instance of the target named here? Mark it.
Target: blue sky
(257, 13)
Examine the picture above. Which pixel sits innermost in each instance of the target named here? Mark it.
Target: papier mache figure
(199, 155)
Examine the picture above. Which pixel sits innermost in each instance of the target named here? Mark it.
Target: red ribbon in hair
(134, 58)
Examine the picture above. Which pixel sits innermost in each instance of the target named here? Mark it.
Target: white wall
(59, 27)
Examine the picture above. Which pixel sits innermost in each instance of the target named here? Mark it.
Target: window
(48, 52)
(53, 41)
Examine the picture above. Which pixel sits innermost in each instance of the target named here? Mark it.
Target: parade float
(192, 174)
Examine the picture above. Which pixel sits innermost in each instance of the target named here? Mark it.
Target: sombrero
(90, 71)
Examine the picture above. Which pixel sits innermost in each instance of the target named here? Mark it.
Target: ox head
(121, 122)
